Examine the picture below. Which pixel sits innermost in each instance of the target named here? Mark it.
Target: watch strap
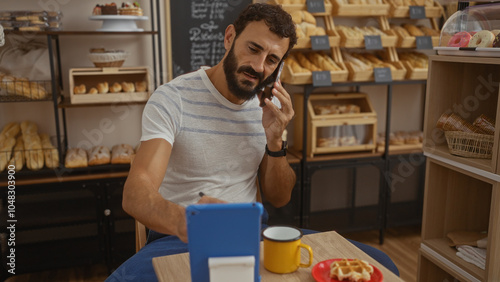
(280, 153)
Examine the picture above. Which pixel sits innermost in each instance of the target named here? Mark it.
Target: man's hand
(274, 119)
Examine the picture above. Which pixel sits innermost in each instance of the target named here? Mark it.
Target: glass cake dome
(475, 28)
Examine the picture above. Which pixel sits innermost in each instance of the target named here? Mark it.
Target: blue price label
(315, 6)
(373, 42)
(382, 74)
(322, 78)
(320, 42)
(423, 42)
(417, 12)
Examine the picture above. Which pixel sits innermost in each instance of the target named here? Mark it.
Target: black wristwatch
(280, 153)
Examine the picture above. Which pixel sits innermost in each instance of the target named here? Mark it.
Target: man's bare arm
(141, 198)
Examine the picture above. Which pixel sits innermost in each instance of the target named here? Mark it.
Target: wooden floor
(401, 244)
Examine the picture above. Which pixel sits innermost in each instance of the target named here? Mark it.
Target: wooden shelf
(82, 32)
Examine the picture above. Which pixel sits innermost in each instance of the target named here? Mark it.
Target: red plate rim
(321, 272)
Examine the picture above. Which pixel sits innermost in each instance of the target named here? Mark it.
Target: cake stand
(118, 22)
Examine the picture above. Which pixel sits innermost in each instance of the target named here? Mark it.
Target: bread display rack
(462, 193)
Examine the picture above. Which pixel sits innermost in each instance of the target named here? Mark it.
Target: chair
(140, 235)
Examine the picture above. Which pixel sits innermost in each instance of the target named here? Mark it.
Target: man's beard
(245, 91)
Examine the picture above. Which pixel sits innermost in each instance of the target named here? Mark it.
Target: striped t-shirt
(217, 146)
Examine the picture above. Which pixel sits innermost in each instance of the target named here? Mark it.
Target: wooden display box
(457, 199)
(469, 87)
(305, 43)
(358, 42)
(303, 7)
(411, 41)
(360, 9)
(336, 127)
(90, 77)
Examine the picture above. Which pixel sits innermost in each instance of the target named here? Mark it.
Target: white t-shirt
(217, 146)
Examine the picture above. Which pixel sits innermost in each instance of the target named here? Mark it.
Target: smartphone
(267, 92)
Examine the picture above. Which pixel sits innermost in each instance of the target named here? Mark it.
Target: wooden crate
(289, 77)
(396, 11)
(92, 76)
(359, 42)
(303, 7)
(365, 121)
(414, 73)
(360, 9)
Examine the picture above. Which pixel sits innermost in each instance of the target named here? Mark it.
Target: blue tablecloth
(140, 266)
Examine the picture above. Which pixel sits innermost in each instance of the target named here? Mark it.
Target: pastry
(351, 269)
(76, 157)
(128, 87)
(50, 153)
(121, 154)
(109, 9)
(11, 129)
(496, 41)
(141, 86)
(130, 9)
(93, 90)
(99, 155)
(80, 89)
(102, 87)
(483, 38)
(460, 39)
(115, 88)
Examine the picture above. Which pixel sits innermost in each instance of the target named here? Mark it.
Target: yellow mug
(282, 249)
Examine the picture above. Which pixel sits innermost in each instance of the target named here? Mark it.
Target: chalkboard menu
(196, 32)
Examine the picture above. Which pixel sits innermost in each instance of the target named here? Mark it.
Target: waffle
(353, 270)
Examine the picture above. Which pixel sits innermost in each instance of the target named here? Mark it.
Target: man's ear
(229, 36)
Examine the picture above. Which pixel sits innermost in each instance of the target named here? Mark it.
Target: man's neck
(218, 78)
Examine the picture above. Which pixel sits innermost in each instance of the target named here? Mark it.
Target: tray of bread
(343, 269)
(407, 34)
(361, 65)
(401, 141)
(360, 8)
(22, 89)
(23, 146)
(401, 8)
(299, 66)
(300, 5)
(308, 25)
(354, 37)
(109, 85)
(99, 155)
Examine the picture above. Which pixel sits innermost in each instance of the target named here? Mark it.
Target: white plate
(118, 22)
(479, 52)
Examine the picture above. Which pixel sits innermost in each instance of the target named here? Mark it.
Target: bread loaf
(17, 159)
(102, 87)
(6, 151)
(75, 157)
(50, 153)
(33, 151)
(141, 86)
(99, 155)
(128, 87)
(121, 154)
(80, 89)
(11, 129)
(115, 88)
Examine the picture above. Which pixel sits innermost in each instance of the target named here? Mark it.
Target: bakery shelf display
(299, 67)
(402, 8)
(308, 26)
(20, 89)
(109, 85)
(462, 190)
(336, 123)
(301, 5)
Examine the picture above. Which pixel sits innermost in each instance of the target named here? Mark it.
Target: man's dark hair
(277, 19)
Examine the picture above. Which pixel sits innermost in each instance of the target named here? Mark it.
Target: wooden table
(325, 245)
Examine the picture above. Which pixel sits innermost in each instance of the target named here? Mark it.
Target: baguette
(11, 129)
(17, 159)
(6, 151)
(51, 154)
(33, 151)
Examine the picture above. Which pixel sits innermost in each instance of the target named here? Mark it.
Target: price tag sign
(373, 42)
(382, 74)
(424, 42)
(315, 6)
(320, 42)
(417, 12)
(321, 78)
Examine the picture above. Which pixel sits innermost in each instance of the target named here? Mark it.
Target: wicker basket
(108, 59)
(469, 145)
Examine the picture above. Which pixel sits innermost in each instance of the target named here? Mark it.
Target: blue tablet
(222, 230)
